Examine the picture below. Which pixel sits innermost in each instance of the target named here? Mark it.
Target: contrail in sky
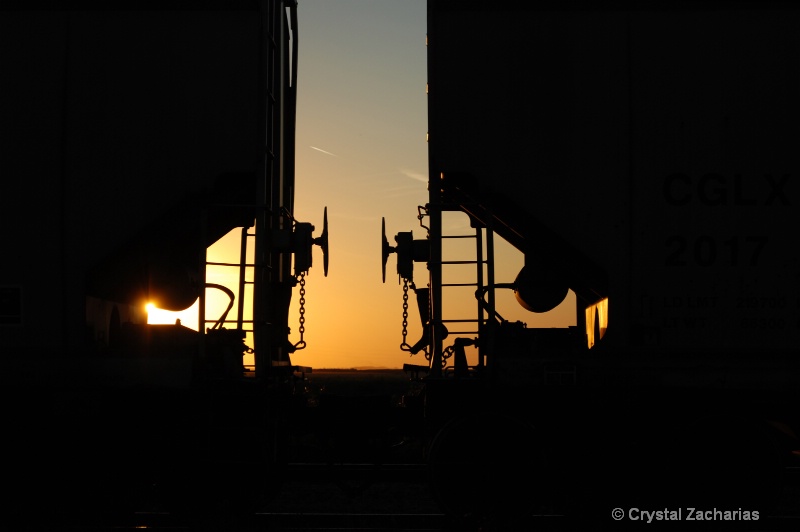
(323, 151)
(414, 175)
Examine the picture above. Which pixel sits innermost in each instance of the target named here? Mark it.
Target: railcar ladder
(484, 256)
(242, 324)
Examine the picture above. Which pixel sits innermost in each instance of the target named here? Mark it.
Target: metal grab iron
(322, 242)
(386, 249)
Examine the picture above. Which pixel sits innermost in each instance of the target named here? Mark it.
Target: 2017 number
(708, 251)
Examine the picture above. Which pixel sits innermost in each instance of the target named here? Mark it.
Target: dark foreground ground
(401, 505)
(351, 469)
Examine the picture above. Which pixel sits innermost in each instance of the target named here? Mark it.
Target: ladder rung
(231, 321)
(247, 265)
(459, 284)
(463, 262)
(459, 236)
(473, 320)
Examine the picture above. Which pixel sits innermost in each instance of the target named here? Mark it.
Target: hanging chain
(447, 353)
(404, 346)
(428, 353)
(301, 344)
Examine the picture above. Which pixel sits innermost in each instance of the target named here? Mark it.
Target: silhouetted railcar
(642, 155)
(134, 136)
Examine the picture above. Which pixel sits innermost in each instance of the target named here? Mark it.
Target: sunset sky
(362, 153)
